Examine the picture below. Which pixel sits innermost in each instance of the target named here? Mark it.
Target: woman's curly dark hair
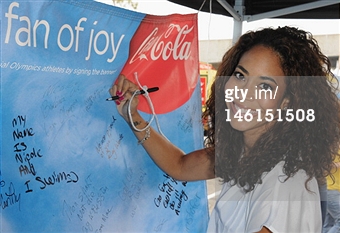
(308, 145)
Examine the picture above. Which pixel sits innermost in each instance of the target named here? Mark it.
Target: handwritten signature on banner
(110, 142)
(131, 189)
(54, 99)
(9, 197)
(172, 194)
(89, 208)
(186, 120)
(26, 156)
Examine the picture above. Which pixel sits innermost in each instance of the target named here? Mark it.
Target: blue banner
(69, 162)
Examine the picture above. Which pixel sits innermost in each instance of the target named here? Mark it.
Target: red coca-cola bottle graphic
(164, 53)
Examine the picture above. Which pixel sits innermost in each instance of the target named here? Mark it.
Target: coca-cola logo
(164, 53)
(158, 46)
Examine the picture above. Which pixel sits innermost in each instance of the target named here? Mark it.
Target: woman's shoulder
(277, 185)
(285, 205)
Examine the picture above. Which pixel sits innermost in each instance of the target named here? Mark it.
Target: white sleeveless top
(286, 207)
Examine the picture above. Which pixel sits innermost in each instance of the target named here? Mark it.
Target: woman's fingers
(117, 86)
(122, 85)
(123, 88)
(119, 83)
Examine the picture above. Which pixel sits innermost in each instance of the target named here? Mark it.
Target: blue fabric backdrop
(69, 163)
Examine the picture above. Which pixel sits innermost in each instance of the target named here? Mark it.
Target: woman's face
(255, 91)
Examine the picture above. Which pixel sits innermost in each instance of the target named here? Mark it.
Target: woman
(270, 150)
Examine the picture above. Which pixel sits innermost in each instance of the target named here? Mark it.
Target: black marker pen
(140, 92)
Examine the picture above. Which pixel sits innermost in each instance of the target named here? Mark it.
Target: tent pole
(237, 31)
(233, 12)
(238, 14)
(238, 23)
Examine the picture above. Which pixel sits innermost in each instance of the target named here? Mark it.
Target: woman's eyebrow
(243, 69)
(268, 78)
(262, 77)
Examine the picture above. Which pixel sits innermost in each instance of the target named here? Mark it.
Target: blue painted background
(69, 163)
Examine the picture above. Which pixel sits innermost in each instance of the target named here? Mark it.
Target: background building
(212, 51)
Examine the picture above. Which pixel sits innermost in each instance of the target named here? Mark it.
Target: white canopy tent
(252, 10)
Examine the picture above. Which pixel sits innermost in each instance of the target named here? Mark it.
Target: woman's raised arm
(197, 165)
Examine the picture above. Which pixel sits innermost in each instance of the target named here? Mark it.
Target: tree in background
(125, 3)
